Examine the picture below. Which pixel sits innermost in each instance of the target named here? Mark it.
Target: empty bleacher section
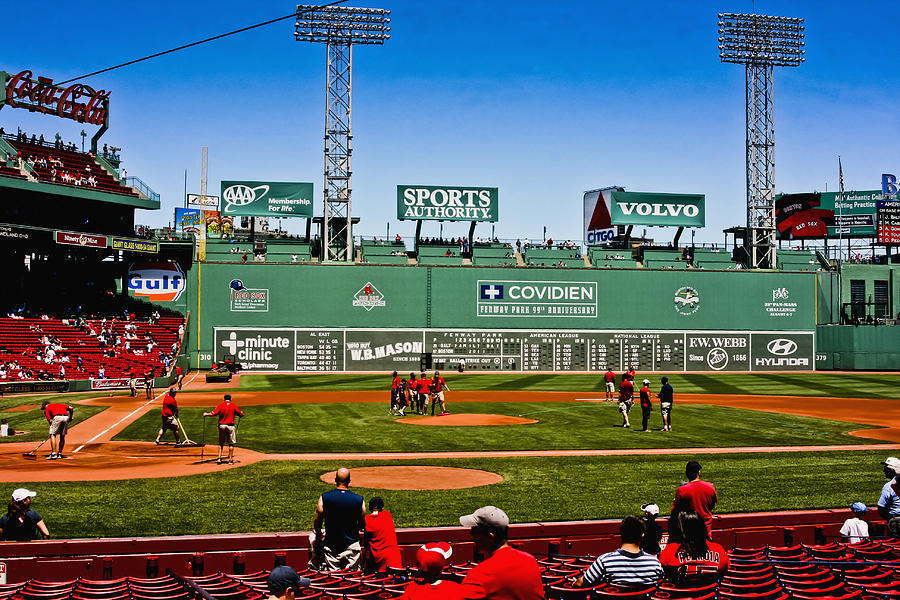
(383, 253)
(539, 256)
(21, 341)
(493, 254)
(608, 258)
(66, 167)
(653, 257)
(437, 255)
(796, 260)
(713, 258)
(228, 251)
(278, 250)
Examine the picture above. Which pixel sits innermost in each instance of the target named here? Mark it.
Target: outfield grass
(281, 495)
(564, 425)
(838, 385)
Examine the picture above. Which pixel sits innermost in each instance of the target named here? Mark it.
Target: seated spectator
(284, 583)
(20, 523)
(855, 529)
(381, 549)
(629, 565)
(695, 559)
(506, 573)
(431, 560)
(652, 530)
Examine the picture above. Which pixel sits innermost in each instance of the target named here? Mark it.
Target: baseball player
(666, 398)
(646, 405)
(610, 379)
(169, 416)
(395, 394)
(626, 400)
(402, 398)
(412, 391)
(437, 394)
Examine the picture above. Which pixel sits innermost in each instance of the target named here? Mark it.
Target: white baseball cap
(647, 381)
(21, 493)
(651, 509)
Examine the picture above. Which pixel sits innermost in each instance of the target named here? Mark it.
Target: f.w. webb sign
(444, 203)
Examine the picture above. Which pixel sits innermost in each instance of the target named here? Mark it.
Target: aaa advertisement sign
(444, 203)
(267, 199)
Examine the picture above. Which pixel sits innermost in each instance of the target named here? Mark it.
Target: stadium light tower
(340, 27)
(761, 43)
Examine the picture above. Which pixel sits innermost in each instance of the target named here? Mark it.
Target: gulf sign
(157, 282)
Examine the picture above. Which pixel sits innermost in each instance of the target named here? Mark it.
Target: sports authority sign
(78, 102)
(81, 239)
(505, 298)
(267, 199)
(444, 203)
(663, 210)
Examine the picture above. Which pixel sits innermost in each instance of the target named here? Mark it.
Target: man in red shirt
(179, 377)
(646, 405)
(58, 415)
(696, 495)
(422, 400)
(169, 416)
(506, 573)
(381, 549)
(226, 412)
(626, 400)
(610, 380)
(431, 559)
(437, 388)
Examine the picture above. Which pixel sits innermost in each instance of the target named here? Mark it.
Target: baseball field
(545, 447)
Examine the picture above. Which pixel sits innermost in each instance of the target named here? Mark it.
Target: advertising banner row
(405, 350)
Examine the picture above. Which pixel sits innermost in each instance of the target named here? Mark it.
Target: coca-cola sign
(78, 101)
(81, 239)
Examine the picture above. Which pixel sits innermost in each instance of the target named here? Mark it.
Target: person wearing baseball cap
(284, 583)
(855, 529)
(226, 411)
(431, 559)
(652, 531)
(20, 523)
(666, 397)
(646, 405)
(889, 502)
(169, 416)
(506, 572)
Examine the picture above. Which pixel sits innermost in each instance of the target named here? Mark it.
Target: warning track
(101, 458)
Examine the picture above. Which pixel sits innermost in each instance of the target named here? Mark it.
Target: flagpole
(841, 210)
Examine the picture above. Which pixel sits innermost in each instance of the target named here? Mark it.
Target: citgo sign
(157, 282)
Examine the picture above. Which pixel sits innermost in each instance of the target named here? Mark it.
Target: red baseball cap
(433, 556)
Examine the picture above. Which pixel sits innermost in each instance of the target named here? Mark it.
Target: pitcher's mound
(417, 478)
(467, 419)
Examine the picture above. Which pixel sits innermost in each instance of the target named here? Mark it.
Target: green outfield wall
(363, 317)
(858, 348)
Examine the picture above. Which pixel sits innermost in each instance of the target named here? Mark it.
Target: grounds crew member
(59, 416)
(626, 400)
(169, 416)
(148, 382)
(226, 412)
(610, 379)
(437, 386)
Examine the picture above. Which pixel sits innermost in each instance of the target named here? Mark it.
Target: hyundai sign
(663, 210)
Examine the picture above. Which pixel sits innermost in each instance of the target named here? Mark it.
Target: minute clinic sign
(78, 101)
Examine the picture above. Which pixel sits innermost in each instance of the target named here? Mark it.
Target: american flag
(841, 174)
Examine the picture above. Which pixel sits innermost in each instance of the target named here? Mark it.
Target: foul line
(128, 416)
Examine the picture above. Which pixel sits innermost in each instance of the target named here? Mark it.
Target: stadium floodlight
(761, 43)
(340, 27)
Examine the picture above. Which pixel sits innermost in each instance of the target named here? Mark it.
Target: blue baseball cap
(858, 507)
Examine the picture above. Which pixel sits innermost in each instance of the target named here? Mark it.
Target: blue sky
(543, 100)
